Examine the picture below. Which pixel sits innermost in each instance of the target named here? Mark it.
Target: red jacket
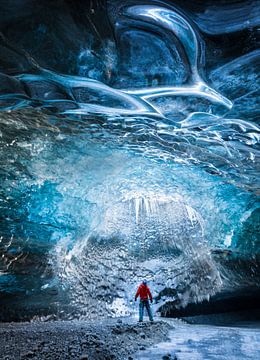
(143, 291)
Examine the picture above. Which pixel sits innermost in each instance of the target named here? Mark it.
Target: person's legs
(141, 310)
(149, 310)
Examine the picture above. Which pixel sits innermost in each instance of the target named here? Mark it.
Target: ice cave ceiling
(129, 148)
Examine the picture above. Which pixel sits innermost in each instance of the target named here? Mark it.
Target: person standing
(145, 294)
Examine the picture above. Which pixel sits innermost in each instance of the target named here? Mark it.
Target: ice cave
(129, 150)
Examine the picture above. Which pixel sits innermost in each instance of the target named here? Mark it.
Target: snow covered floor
(196, 342)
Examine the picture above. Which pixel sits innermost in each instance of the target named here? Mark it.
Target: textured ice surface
(140, 160)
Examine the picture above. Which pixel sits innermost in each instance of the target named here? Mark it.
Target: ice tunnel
(129, 149)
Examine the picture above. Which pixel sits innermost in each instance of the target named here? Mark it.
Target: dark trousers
(146, 304)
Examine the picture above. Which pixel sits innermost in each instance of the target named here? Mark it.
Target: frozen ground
(73, 340)
(128, 340)
(205, 342)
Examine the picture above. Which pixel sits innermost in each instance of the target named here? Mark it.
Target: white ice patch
(228, 239)
(119, 308)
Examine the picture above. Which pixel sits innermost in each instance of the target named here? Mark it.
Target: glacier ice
(129, 147)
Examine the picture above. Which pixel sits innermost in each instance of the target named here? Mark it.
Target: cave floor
(206, 342)
(67, 340)
(127, 339)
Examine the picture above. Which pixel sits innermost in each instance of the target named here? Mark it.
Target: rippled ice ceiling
(129, 148)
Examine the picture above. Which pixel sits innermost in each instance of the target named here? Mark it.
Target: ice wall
(129, 148)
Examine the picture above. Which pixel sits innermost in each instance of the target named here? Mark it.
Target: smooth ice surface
(200, 342)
